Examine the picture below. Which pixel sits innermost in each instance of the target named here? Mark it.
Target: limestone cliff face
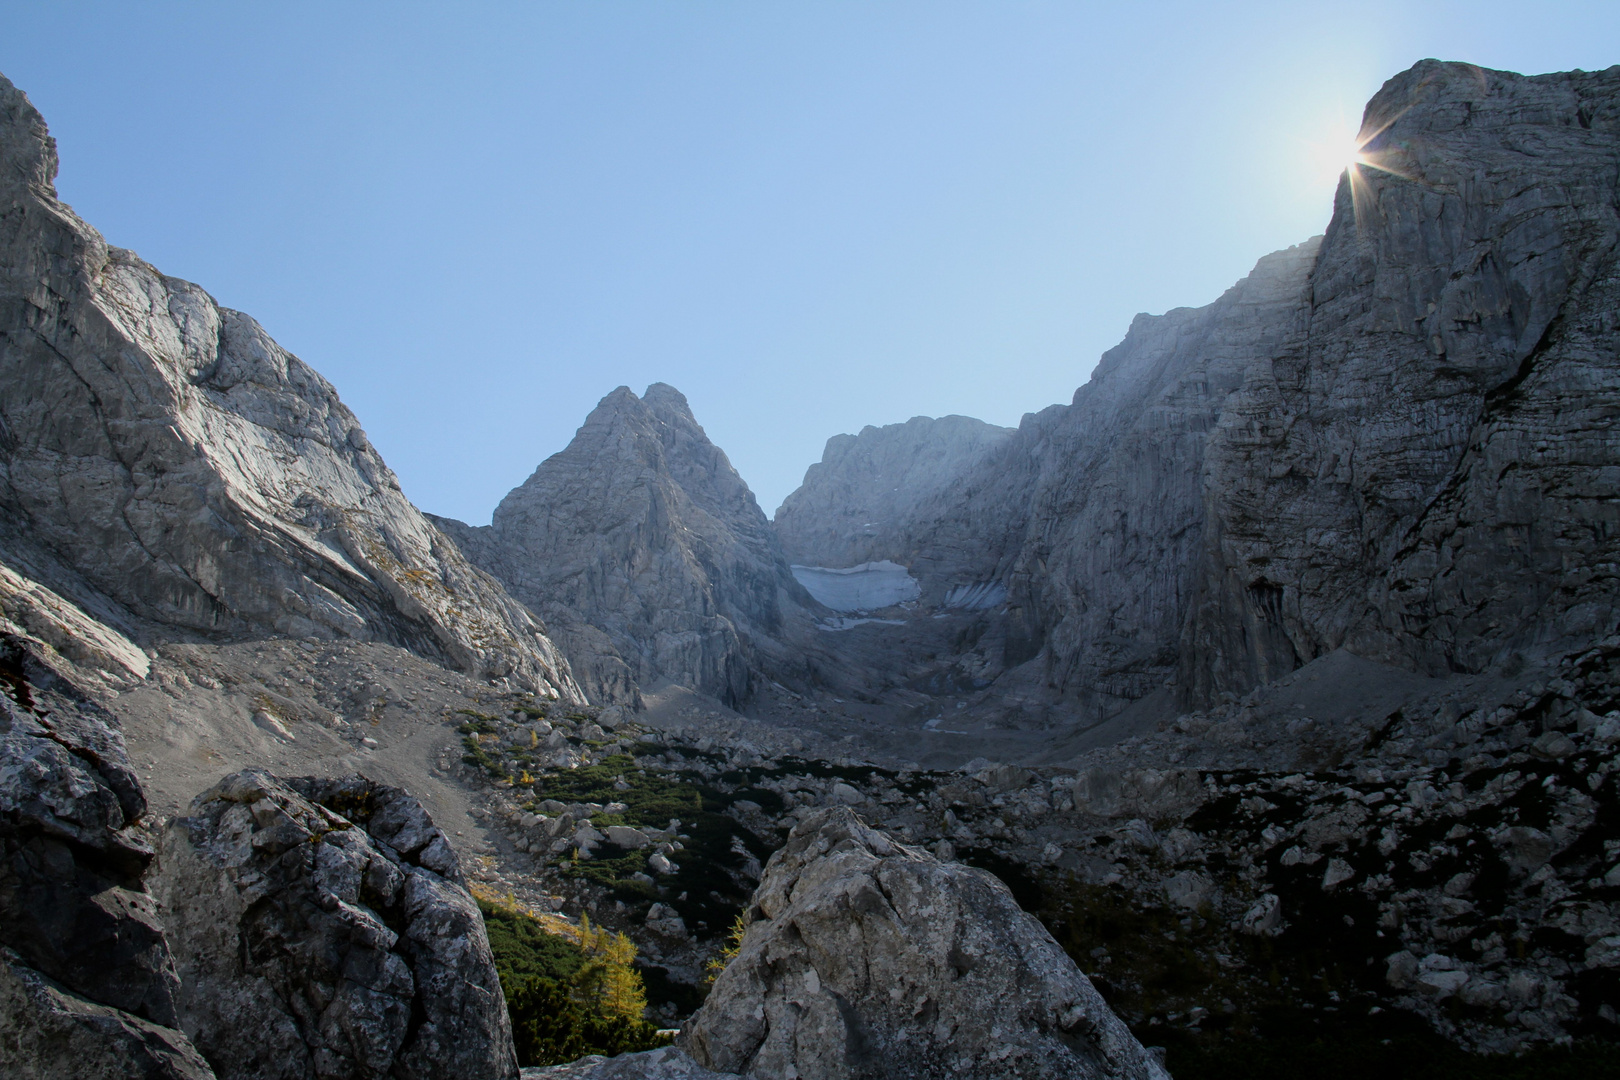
(1087, 520)
(643, 530)
(1104, 571)
(854, 502)
(1399, 437)
(1427, 472)
(163, 460)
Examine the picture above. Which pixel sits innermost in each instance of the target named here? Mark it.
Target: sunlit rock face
(163, 461)
(641, 528)
(865, 959)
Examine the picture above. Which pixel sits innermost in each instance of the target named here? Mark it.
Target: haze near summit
(477, 221)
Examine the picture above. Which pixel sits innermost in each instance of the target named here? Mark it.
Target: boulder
(665, 1063)
(864, 958)
(87, 984)
(322, 928)
(47, 1032)
(631, 839)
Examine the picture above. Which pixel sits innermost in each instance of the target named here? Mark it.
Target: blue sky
(478, 219)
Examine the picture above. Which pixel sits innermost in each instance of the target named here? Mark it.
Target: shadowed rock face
(642, 528)
(163, 453)
(1396, 438)
(869, 959)
(322, 928)
(72, 902)
(1426, 471)
(87, 983)
(854, 501)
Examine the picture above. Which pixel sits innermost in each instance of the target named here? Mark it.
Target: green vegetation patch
(709, 889)
(567, 999)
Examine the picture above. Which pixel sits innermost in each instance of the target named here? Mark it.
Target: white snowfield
(866, 587)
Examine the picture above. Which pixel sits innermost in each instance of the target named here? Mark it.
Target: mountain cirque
(1276, 673)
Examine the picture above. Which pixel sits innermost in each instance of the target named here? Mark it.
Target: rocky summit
(642, 531)
(1255, 712)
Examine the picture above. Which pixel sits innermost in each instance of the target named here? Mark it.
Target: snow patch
(845, 623)
(866, 587)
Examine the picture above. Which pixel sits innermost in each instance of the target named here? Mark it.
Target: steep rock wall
(1398, 438)
(175, 459)
(1429, 475)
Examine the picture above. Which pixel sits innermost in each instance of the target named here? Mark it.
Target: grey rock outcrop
(47, 1032)
(855, 502)
(166, 464)
(1425, 471)
(868, 959)
(322, 928)
(87, 983)
(641, 529)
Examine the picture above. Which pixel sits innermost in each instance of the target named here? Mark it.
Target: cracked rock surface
(167, 465)
(321, 927)
(865, 958)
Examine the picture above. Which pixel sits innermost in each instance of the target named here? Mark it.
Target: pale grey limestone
(642, 529)
(164, 453)
(1397, 438)
(865, 958)
(855, 502)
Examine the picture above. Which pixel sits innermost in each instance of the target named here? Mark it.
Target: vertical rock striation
(165, 455)
(1427, 474)
(1398, 438)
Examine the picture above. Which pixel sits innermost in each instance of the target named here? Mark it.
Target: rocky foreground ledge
(289, 929)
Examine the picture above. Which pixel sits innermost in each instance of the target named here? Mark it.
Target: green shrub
(549, 1027)
(567, 999)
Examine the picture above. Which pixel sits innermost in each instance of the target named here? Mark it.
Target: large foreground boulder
(322, 928)
(867, 959)
(87, 986)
